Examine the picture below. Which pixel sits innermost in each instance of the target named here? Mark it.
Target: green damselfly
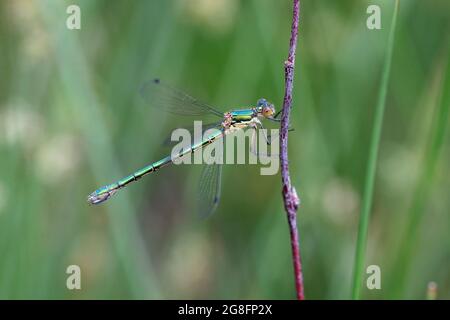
(175, 101)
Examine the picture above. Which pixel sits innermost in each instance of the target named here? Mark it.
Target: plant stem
(290, 198)
(371, 167)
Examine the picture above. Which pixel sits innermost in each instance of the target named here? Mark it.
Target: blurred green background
(71, 120)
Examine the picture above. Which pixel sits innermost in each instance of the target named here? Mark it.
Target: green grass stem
(372, 163)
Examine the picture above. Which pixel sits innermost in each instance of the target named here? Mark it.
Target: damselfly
(175, 101)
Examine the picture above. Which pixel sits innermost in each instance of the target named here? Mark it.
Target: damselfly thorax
(240, 119)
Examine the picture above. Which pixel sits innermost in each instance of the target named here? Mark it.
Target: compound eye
(262, 102)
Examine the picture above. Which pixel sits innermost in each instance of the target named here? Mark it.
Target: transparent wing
(168, 141)
(209, 189)
(160, 95)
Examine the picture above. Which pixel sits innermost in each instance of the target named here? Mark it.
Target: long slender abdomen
(104, 193)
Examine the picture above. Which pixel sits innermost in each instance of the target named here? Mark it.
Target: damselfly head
(265, 108)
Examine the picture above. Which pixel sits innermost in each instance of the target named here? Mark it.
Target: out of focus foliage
(71, 120)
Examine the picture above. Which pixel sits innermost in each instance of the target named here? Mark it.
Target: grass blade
(371, 168)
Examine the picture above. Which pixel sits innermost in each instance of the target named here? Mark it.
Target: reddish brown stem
(291, 200)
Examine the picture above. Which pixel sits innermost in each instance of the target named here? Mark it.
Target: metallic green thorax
(243, 115)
